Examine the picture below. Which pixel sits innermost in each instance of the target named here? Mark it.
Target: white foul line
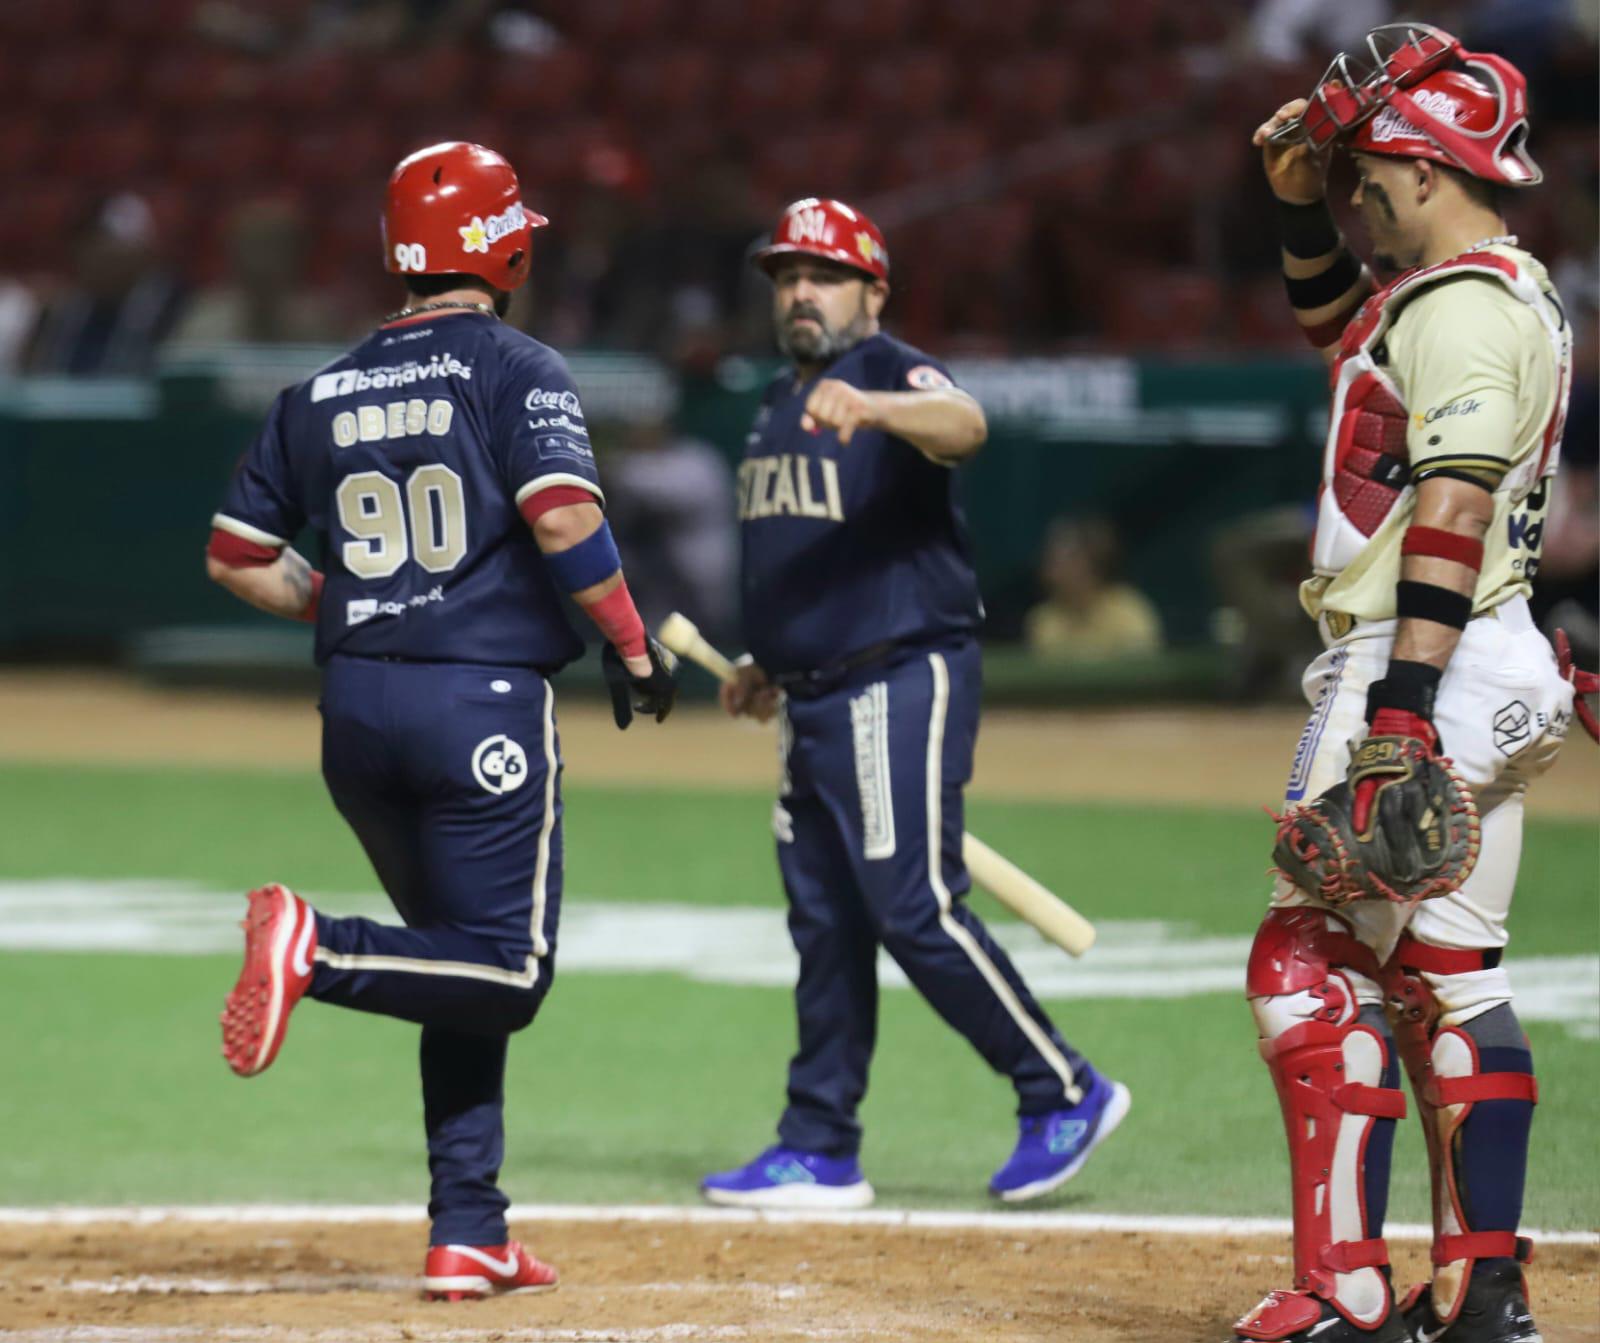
(914, 1220)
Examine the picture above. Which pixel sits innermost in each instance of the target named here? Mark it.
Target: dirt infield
(640, 1283)
(1218, 757)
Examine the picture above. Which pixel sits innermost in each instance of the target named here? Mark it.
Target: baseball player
(1449, 393)
(444, 466)
(860, 612)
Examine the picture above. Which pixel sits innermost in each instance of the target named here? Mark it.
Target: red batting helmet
(831, 230)
(456, 208)
(1417, 93)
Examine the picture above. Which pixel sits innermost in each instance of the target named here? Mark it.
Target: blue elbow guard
(593, 560)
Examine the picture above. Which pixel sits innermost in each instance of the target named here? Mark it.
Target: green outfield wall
(106, 487)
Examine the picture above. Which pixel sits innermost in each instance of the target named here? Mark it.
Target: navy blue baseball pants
(869, 824)
(449, 773)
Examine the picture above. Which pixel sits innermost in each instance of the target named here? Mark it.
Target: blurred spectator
(1258, 563)
(1290, 31)
(19, 310)
(671, 498)
(1087, 613)
(121, 303)
(263, 300)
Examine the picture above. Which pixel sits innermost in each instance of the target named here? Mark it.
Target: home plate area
(69, 1280)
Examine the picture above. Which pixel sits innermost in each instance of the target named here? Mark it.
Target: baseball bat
(1026, 897)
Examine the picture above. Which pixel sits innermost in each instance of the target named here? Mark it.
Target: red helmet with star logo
(829, 229)
(456, 208)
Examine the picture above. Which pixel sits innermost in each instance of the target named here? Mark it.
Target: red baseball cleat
(280, 935)
(457, 1272)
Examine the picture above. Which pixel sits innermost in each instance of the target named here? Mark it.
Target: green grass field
(630, 1085)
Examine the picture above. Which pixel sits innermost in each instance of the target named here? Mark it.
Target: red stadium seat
(318, 86)
(38, 225)
(113, 153)
(907, 88)
(942, 151)
(224, 152)
(880, 23)
(608, 26)
(22, 147)
(829, 161)
(152, 20)
(1263, 318)
(406, 82)
(667, 82)
(1167, 310)
(777, 85)
(548, 87)
(966, 26)
(739, 25)
(332, 157)
(73, 77)
(40, 21)
(198, 82)
(1030, 97)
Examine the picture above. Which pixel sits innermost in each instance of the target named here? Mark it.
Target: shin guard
(1337, 1084)
(1475, 1089)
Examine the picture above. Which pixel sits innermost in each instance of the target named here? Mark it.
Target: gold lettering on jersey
(830, 485)
(810, 507)
(785, 487)
(784, 502)
(396, 419)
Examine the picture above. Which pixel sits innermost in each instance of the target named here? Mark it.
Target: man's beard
(817, 344)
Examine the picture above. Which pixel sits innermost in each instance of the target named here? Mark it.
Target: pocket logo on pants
(499, 764)
(869, 726)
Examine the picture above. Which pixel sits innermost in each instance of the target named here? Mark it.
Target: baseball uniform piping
(954, 930)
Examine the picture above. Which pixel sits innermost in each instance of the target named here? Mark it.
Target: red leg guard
(1443, 1066)
(1328, 1068)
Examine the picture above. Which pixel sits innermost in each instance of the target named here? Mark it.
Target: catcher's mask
(1415, 92)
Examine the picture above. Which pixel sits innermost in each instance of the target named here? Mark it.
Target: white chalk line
(731, 945)
(662, 1333)
(1082, 1223)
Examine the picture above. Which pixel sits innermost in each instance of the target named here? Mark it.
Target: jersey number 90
(427, 523)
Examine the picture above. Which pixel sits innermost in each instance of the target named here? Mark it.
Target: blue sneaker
(1051, 1148)
(786, 1178)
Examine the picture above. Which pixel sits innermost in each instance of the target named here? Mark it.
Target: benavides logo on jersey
(326, 386)
(481, 233)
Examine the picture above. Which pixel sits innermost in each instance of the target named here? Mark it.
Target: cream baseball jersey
(1458, 369)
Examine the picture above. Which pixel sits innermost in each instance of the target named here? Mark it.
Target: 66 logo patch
(499, 764)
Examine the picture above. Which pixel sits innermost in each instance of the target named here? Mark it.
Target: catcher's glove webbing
(1421, 835)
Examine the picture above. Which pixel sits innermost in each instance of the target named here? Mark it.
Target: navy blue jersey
(409, 457)
(845, 547)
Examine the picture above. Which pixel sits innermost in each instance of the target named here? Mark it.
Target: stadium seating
(808, 96)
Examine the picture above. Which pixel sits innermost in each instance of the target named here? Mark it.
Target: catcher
(1436, 702)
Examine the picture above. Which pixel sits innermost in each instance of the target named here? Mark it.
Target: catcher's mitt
(1421, 835)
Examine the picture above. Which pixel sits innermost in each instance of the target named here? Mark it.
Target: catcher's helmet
(456, 208)
(829, 229)
(1415, 92)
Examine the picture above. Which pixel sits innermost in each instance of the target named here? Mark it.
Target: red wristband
(309, 615)
(1443, 545)
(237, 553)
(618, 619)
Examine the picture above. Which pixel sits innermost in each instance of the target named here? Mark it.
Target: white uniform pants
(1502, 713)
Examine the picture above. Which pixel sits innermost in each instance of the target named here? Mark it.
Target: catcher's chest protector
(1365, 466)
